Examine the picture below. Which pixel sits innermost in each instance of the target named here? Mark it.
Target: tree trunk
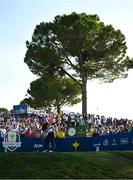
(84, 94)
(83, 74)
(58, 109)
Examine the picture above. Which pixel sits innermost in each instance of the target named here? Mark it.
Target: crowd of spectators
(31, 125)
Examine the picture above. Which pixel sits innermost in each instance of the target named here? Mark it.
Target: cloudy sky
(18, 19)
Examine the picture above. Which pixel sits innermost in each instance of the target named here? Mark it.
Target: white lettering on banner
(106, 142)
(11, 144)
(124, 141)
(98, 144)
(38, 145)
(11, 141)
(50, 145)
(114, 143)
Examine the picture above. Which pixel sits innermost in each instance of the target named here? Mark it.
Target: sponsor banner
(122, 141)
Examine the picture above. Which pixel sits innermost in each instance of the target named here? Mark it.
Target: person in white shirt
(2, 132)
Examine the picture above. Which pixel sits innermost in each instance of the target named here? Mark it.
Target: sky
(18, 19)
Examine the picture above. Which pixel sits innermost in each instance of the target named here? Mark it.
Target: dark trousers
(49, 140)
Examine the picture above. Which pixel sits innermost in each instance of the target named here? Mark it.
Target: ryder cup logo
(11, 141)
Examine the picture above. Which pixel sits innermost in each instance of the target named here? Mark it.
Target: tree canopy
(3, 110)
(57, 48)
(53, 92)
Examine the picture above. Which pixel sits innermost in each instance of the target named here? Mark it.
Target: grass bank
(69, 165)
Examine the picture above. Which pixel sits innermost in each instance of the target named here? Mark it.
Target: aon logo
(38, 145)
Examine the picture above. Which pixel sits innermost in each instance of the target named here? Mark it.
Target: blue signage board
(20, 109)
(121, 141)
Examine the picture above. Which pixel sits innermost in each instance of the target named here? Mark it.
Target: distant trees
(79, 46)
(3, 110)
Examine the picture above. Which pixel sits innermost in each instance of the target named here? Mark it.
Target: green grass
(69, 165)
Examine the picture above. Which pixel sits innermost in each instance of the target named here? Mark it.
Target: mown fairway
(57, 165)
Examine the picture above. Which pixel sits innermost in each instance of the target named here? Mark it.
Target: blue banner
(121, 141)
(20, 109)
